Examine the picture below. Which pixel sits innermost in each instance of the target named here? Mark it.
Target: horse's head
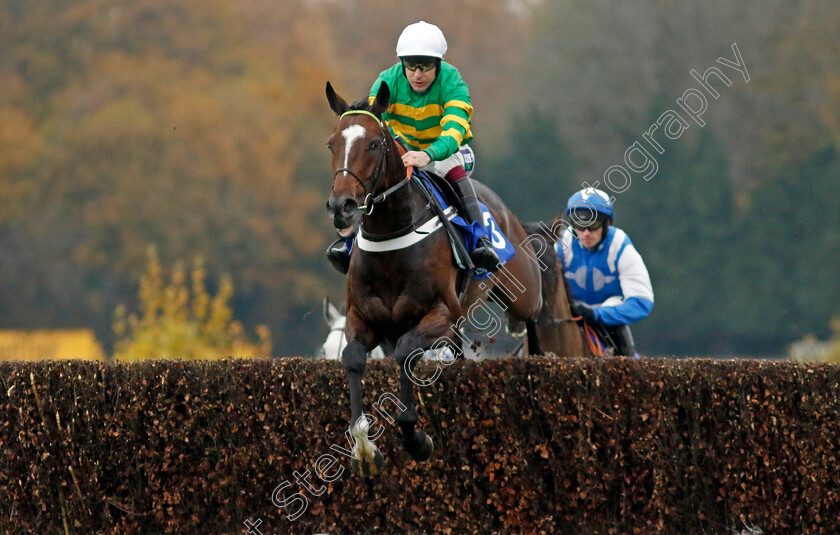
(335, 342)
(360, 150)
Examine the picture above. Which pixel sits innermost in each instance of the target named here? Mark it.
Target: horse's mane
(359, 105)
(551, 274)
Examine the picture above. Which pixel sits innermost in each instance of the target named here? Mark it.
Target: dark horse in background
(406, 298)
(557, 330)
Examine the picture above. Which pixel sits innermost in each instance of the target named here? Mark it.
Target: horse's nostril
(332, 209)
(349, 207)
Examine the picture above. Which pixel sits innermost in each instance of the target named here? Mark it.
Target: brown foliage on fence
(522, 445)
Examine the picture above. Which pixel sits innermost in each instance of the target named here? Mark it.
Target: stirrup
(484, 256)
(338, 256)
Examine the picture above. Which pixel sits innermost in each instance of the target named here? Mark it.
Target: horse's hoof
(421, 448)
(366, 468)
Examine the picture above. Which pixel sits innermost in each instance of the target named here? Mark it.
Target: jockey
(430, 112)
(609, 282)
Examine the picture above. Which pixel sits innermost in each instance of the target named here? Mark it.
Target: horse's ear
(337, 104)
(382, 100)
(557, 226)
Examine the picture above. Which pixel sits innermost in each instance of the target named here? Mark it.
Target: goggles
(425, 66)
(593, 226)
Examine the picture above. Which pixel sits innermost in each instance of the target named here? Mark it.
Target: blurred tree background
(198, 127)
(180, 319)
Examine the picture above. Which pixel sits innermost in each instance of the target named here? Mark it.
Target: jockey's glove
(584, 312)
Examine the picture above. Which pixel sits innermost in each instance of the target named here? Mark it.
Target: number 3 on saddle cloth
(469, 233)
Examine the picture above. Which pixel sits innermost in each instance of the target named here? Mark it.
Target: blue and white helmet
(590, 204)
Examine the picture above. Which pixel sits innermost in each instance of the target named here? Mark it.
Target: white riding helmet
(421, 39)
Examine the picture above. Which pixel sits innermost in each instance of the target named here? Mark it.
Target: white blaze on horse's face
(351, 134)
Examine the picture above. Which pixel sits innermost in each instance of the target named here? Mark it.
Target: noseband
(370, 200)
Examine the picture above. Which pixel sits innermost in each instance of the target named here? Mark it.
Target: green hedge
(536, 444)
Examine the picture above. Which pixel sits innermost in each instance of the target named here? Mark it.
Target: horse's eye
(374, 145)
(330, 144)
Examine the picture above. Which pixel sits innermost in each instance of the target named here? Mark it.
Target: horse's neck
(401, 208)
(333, 345)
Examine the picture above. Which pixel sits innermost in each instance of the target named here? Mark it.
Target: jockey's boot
(338, 253)
(623, 338)
(484, 255)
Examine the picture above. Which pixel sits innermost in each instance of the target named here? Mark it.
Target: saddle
(444, 203)
(429, 184)
(463, 236)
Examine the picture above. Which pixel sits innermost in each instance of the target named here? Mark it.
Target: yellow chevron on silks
(454, 134)
(466, 106)
(414, 144)
(437, 120)
(455, 119)
(424, 112)
(406, 130)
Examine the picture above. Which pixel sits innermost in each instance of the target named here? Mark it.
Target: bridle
(371, 200)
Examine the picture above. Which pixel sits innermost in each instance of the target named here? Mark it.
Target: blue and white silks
(612, 280)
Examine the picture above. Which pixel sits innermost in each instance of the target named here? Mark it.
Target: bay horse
(406, 297)
(557, 330)
(334, 344)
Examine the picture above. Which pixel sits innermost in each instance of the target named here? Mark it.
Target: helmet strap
(604, 230)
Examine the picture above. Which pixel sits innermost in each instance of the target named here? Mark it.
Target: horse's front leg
(367, 459)
(431, 331)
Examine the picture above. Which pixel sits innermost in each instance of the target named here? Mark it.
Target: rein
(595, 344)
(371, 200)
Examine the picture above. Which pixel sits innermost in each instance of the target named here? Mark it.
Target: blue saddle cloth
(471, 233)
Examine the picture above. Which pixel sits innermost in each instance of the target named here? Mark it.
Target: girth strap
(406, 240)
